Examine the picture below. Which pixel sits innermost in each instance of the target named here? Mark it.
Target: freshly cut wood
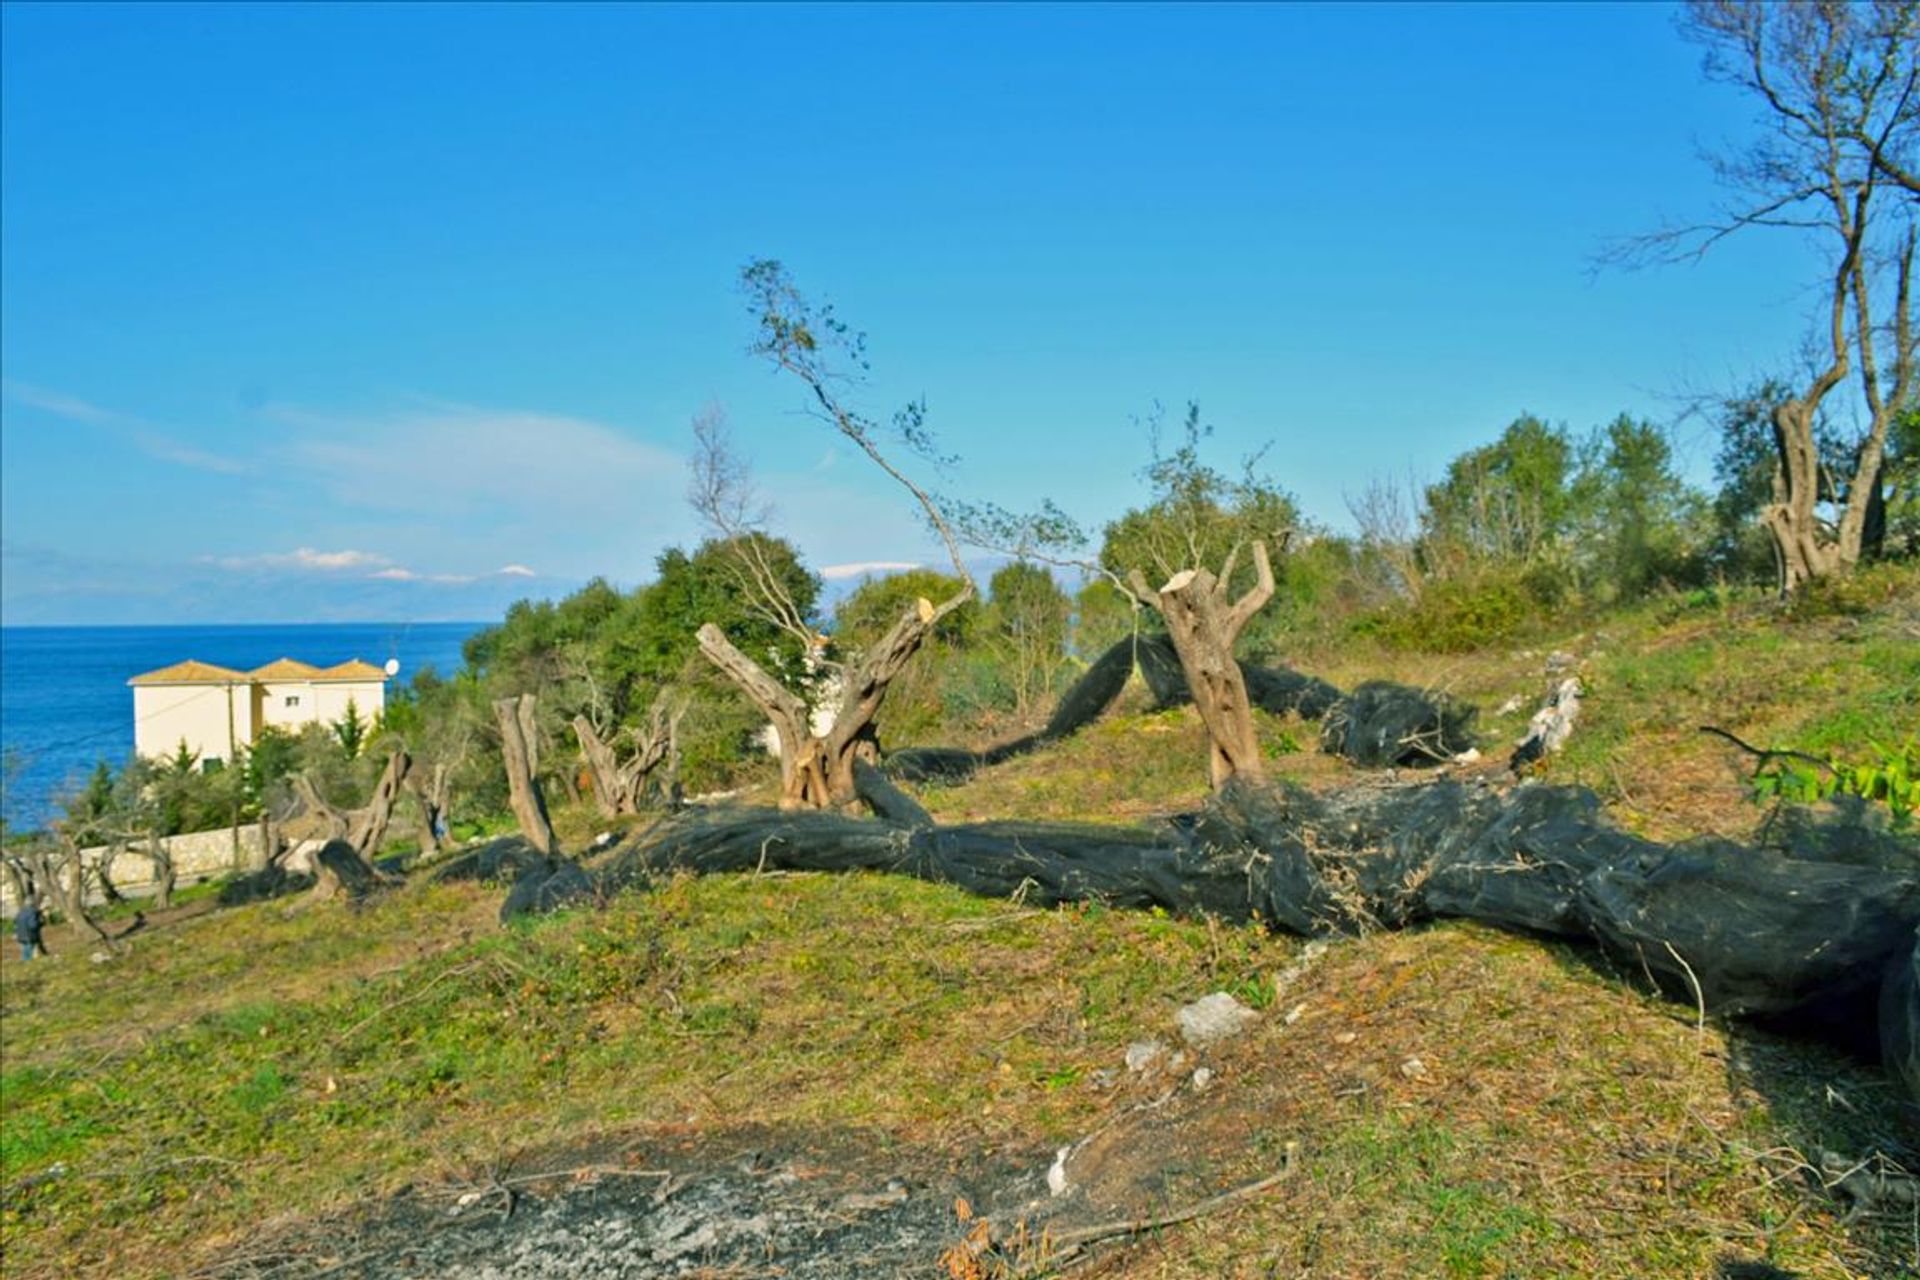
(1204, 626)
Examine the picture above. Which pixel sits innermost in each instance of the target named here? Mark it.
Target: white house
(217, 710)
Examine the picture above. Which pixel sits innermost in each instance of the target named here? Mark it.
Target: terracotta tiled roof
(191, 672)
(285, 669)
(354, 670)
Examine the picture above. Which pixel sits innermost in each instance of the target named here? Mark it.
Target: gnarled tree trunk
(351, 836)
(65, 880)
(519, 745)
(622, 788)
(1203, 626)
(430, 788)
(165, 877)
(367, 827)
(817, 772)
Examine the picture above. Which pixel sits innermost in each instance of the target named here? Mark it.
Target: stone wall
(197, 856)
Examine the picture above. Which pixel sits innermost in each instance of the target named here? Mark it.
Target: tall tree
(1503, 503)
(802, 339)
(1639, 520)
(1837, 90)
(1028, 623)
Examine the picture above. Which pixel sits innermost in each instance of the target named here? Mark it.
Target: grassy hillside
(1457, 1101)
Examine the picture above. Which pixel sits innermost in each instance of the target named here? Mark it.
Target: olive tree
(1836, 88)
(818, 768)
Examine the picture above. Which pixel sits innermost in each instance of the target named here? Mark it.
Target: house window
(293, 700)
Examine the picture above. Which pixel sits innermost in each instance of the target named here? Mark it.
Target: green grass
(155, 1109)
(803, 1000)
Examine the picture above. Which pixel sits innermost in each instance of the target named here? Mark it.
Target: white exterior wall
(274, 711)
(163, 714)
(369, 698)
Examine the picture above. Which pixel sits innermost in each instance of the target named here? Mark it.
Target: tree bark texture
(817, 772)
(64, 880)
(1204, 625)
(367, 828)
(430, 789)
(164, 875)
(520, 751)
(622, 788)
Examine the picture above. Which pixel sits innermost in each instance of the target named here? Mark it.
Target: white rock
(1214, 1018)
(1057, 1173)
(1142, 1054)
(1202, 1078)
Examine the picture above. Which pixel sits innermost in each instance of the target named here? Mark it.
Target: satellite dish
(393, 667)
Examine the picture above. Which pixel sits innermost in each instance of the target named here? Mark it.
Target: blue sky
(328, 313)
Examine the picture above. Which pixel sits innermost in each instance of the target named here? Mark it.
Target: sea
(65, 704)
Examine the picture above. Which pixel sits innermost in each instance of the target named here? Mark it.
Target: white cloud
(138, 433)
(306, 559)
(167, 450)
(442, 457)
(394, 573)
(62, 405)
(834, 572)
(370, 565)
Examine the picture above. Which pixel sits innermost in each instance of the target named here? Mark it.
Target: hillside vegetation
(1452, 1101)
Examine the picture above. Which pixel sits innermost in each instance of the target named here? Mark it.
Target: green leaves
(1891, 777)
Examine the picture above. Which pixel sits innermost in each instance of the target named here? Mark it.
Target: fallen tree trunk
(1378, 725)
(1736, 930)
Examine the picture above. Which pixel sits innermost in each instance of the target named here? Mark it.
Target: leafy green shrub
(1851, 595)
(1891, 776)
(1457, 615)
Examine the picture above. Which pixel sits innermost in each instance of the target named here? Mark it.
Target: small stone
(1142, 1054)
(1346, 1037)
(1214, 1018)
(1293, 1014)
(1414, 1069)
(1511, 705)
(1057, 1173)
(858, 1202)
(1202, 1078)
